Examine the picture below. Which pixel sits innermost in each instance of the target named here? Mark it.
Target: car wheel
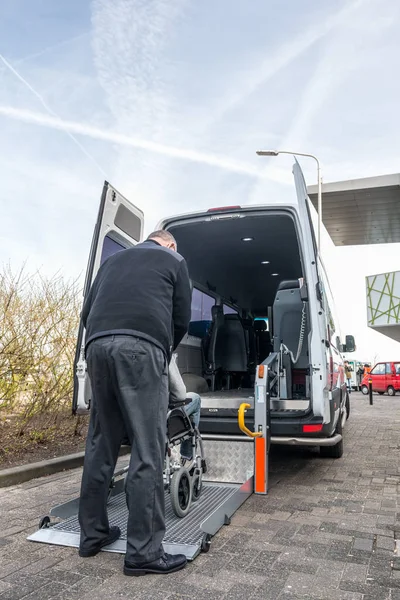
(337, 450)
(364, 389)
(347, 404)
(391, 391)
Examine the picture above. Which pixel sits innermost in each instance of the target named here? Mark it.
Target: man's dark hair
(162, 235)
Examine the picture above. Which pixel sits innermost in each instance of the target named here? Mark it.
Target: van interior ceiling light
(247, 239)
(265, 262)
(274, 274)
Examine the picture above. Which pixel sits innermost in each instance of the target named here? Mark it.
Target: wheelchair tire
(181, 492)
(197, 486)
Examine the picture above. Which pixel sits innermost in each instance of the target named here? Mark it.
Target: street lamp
(276, 153)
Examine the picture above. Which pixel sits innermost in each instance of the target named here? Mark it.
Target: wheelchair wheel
(197, 486)
(181, 492)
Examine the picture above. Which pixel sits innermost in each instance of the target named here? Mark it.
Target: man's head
(164, 238)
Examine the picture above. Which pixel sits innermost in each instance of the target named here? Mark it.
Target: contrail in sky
(52, 113)
(213, 160)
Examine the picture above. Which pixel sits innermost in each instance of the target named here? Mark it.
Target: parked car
(385, 379)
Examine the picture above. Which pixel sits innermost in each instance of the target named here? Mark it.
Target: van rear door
(119, 226)
(319, 359)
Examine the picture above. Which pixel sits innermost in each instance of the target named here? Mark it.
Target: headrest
(289, 285)
(231, 317)
(216, 310)
(247, 323)
(260, 325)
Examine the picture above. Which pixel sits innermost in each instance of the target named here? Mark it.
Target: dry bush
(39, 318)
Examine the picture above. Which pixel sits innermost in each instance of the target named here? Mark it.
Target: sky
(169, 100)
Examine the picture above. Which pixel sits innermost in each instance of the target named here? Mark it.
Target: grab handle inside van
(242, 409)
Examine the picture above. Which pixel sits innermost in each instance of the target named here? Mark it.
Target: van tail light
(313, 428)
(224, 208)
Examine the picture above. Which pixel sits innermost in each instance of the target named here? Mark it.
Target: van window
(201, 306)
(109, 248)
(388, 368)
(201, 313)
(228, 310)
(397, 368)
(379, 369)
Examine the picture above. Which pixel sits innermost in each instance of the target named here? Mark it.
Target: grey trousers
(129, 378)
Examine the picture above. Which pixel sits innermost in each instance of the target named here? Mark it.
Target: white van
(260, 296)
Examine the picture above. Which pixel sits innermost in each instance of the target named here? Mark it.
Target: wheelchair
(183, 482)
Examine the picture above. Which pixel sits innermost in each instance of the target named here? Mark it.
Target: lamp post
(276, 153)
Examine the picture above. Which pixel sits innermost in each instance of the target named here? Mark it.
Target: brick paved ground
(326, 531)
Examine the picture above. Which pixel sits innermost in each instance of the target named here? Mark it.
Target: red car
(385, 378)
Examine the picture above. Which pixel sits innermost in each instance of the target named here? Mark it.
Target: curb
(16, 475)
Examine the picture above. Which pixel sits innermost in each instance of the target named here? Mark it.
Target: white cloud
(281, 57)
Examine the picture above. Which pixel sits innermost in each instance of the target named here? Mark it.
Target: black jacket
(143, 291)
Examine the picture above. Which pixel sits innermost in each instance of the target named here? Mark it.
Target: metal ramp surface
(218, 501)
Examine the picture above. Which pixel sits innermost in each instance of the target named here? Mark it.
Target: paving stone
(354, 572)
(4, 586)
(363, 544)
(300, 583)
(239, 592)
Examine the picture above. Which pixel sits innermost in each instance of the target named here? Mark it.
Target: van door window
(110, 247)
(397, 368)
(201, 313)
(388, 368)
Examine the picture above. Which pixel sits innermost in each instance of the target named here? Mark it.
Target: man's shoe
(112, 537)
(167, 563)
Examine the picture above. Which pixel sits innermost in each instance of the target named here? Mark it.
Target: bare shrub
(39, 318)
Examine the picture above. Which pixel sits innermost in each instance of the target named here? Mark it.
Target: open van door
(119, 226)
(320, 384)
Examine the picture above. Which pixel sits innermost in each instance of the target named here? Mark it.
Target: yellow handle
(242, 425)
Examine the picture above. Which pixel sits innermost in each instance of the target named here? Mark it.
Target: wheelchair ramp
(229, 482)
(216, 505)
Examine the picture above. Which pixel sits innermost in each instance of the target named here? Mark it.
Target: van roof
(292, 207)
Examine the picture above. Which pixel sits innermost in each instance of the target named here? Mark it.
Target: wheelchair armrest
(179, 403)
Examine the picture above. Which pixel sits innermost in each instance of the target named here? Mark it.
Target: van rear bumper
(306, 441)
(284, 431)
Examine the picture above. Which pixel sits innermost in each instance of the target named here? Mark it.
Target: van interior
(247, 306)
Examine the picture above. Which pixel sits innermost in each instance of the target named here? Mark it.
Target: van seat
(287, 312)
(263, 340)
(210, 340)
(231, 346)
